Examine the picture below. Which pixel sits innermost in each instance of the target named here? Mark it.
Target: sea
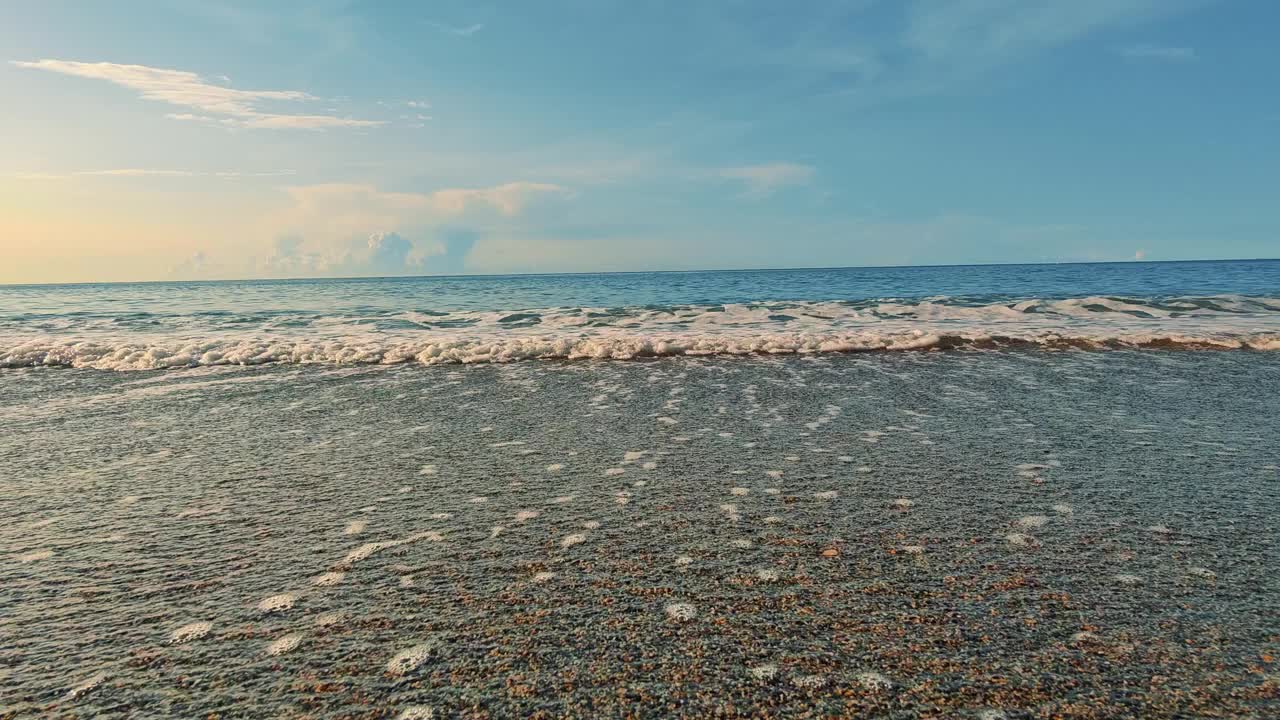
(1018, 491)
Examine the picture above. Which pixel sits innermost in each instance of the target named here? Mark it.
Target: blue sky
(202, 139)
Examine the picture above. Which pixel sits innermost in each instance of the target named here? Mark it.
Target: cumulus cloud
(218, 104)
(355, 229)
(764, 180)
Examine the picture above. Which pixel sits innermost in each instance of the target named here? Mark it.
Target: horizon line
(638, 272)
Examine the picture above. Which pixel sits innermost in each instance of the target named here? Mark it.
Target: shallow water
(1038, 533)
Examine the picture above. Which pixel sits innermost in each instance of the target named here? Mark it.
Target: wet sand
(966, 534)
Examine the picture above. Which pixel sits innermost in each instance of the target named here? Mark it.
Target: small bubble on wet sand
(1063, 509)
(571, 540)
(591, 524)
(614, 471)
(809, 682)
(478, 500)
(405, 488)
(904, 503)
(555, 467)
(329, 619)
(1021, 540)
(563, 499)
(772, 491)
(441, 516)
(992, 714)
(417, 712)
(284, 644)
(429, 470)
(772, 520)
(826, 495)
(768, 574)
(495, 531)
(913, 549)
(874, 681)
(762, 672)
(328, 579)
(1033, 521)
(543, 576)
(650, 465)
(1126, 579)
(773, 473)
(407, 661)
(191, 631)
(633, 455)
(1159, 530)
(525, 515)
(1201, 572)
(277, 603)
(355, 527)
(739, 491)
(680, 612)
(85, 687)
(741, 544)
(36, 556)
(844, 458)
(684, 561)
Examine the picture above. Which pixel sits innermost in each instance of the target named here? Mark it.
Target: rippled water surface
(1024, 533)
(449, 320)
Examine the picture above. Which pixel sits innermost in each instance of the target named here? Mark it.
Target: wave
(152, 356)
(142, 341)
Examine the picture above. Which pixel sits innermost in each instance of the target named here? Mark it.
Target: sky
(211, 139)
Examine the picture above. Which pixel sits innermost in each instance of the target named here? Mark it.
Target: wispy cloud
(762, 180)
(466, 31)
(1160, 53)
(154, 172)
(219, 104)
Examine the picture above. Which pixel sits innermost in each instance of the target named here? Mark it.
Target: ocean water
(630, 315)
(1021, 492)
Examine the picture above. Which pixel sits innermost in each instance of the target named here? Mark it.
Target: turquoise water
(627, 315)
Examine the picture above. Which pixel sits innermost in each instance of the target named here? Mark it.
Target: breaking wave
(142, 341)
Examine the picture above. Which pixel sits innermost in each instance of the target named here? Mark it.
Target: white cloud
(222, 105)
(764, 180)
(136, 172)
(153, 172)
(357, 229)
(466, 31)
(1159, 52)
(985, 30)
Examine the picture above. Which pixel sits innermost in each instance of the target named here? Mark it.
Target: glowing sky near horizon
(206, 139)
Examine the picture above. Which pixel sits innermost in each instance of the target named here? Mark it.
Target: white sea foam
(277, 603)
(35, 556)
(85, 687)
(191, 631)
(406, 661)
(680, 611)
(284, 644)
(1225, 322)
(328, 579)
